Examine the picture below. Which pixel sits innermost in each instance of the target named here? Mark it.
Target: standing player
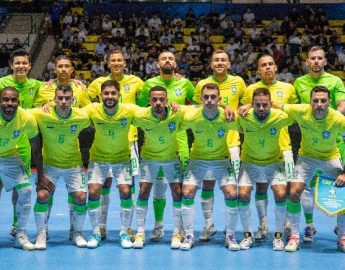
(14, 124)
(159, 163)
(231, 92)
(281, 92)
(61, 156)
(316, 63)
(179, 91)
(209, 161)
(130, 86)
(320, 126)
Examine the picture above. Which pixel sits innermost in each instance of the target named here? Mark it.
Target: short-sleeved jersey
(318, 136)
(261, 139)
(27, 90)
(111, 137)
(281, 92)
(306, 83)
(130, 87)
(60, 136)
(22, 124)
(178, 90)
(160, 142)
(46, 95)
(209, 135)
(231, 91)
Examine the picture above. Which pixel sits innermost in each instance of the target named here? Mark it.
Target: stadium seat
(179, 46)
(87, 74)
(78, 10)
(334, 23)
(187, 31)
(281, 38)
(91, 38)
(217, 39)
(339, 73)
(217, 46)
(90, 46)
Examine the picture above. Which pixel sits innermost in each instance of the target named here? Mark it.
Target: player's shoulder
(285, 85)
(253, 86)
(79, 113)
(192, 112)
(133, 78)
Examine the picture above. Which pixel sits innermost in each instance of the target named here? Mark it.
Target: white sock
(261, 203)
(23, 206)
(245, 215)
(307, 201)
(280, 216)
(207, 209)
(105, 200)
(177, 214)
(188, 213)
(94, 213)
(231, 215)
(141, 212)
(294, 215)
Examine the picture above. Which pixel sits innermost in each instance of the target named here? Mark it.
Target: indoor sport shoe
(94, 241)
(157, 233)
(41, 241)
(293, 244)
(207, 233)
(188, 242)
(336, 229)
(71, 232)
(139, 240)
(13, 231)
(309, 233)
(79, 240)
(248, 241)
(262, 234)
(131, 234)
(176, 240)
(22, 241)
(231, 243)
(125, 240)
(103, 231)
(278, 243)
(341, 244)
(287, 232)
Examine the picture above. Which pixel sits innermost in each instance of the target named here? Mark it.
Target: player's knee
(261, 188)
(125, 190)
(107, 182)
(43, 196)
(244, 195)
(230, 194)
(79, 197)
(208, 185)
(188, 191)
(159, 191)
(94, 193)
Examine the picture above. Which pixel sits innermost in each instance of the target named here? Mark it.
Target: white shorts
(273, 174)
(74, 177)
(210, 170)
(12, 172)
(162, 171)
(121, 172)
(306, 167)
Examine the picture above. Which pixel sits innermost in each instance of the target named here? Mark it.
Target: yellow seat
(281, 38)
(339, 73)
(334, 23)
(217, 46)
(187, 31)
(91, 38)
(342, 38)
(90, 46)
(87, 73)
(78, 10)
(179, 46)
(185, 38)
(339, 30)
(217, 39)
(304, 56)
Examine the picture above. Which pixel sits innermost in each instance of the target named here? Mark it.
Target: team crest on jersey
(326, 134)
(220, 133)
(123, 122)
(74, 102)
(31, 91)
(178, 92)
(172, 126)
(234, 89)
(273, 131)
(126, 87)
(16, 133)
(73, 128)
(280, 94)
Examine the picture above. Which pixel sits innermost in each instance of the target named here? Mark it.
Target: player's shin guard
(341, 225)
(79, 211)
(105, 200)
(294, 214)
(261, 203)
(280, 215)
(70, 208)
(188, 213)
(141, 212)
(23, 205)
(126, 213)
(94, 212)
(307, 201)
(231, 215)
(245, 215)
(41, 214)
(177, 216)
(207, 200)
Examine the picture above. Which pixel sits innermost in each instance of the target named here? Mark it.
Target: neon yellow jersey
(209, 135)
(130, 87)
(232, 90)
(46, 95)
(318, 136)
(281, 92)
(60, 136)
(22, 124)
(111, 138)
(261, 139)
(160, 135)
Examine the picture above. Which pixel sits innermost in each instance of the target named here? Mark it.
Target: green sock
(158, 207)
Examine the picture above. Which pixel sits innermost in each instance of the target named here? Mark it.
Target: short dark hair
(110, 83)
(64, 88)
(63, 57)
(320, 89)
(261, 91)
(218, 51)
(261, 55)
(20, 52)
(158, 88)
(9, 88)
(115, 51)
(210, 86)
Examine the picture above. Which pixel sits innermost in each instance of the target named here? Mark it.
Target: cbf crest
(74, 102)
(16, 133)
(233, 89)
(220, 133)
(273, 131)
(172, 126)
(326, 134)
(126, 87)
(123, 122)
(31, 91)
(73, 128)
(178, 92)
(280, 94)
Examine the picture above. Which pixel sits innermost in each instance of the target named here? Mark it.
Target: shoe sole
(138, 247)
(186, 249)
(201, 239)
(233, 249)
(261, 240)
(40, 248)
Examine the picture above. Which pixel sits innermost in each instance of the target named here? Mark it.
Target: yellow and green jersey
(261, 139)
(318, 136)
(281, 92)
(60, 136)
(46, 95)
(111, 137)
(209, 135)
(27, 90)
(306, 83)
(130, 87)
(160, 135)
(22, 124)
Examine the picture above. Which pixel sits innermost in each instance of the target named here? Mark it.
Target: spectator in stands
(166, 35)
(118, 39)
(55, 13)
(66, 36)
(231, 47)
(333, 39)
(75, 20)
(166, 46)
(82, 32)
(81, 78)
(48, 27)
(85, 58)
(238, 66)
(142, 40)
(182, 65)
(321, 40)
(74, 48)
(144, 28)
(178, 38)
(248, 18)
(332, 59)
(151, 67)
(133, 21)
(341, 58)
(274, 26)
(100, 47)
(154, 49)
(155, 21)
(4, 60)
(307, 42)
(16, 44)
(196, 70)
(238, 31)
(194, 47)
(96, 25)
(249, 57)
(253, 32)
(285, 76)
(68, 19)
(51, 64)
(285, 27)
(295, 42)
(118, 27)
(190, 18)
(254, 77)
(107, 25)
(98, 67)
(139, 68)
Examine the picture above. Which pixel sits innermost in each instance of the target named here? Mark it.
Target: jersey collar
(262, 122)
(168, 111)
(59, 116)
(116, 110)
(205, 117)
(218, 81)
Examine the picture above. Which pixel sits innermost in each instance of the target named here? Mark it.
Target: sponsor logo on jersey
(273, 131)
(123, 122)
(126, 87)
(326, 134)
(199, 131)
(234, 89)
(73, 128)
(148, 129)
(280, 94)
(220, 133)
(16, 133)
(172, 126)
(178, 92)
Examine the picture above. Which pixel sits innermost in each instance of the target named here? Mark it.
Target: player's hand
(46, 108)
(229, 114)
(243, 110)
(174, 106)
(177, 76)
(79, 83)
(44, 183)
(340, 181)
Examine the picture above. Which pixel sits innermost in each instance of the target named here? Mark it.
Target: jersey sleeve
(190, 91)
(293, 99)
(197, 94)
(93, 90)
(31, 126)
(247, 96)
(144, 94)
(339, 91)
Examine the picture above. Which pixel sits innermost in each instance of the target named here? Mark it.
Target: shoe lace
(139, 236)
(232, 238)
(308, 231)
(125, 236)
(177, 236)
(293, 238)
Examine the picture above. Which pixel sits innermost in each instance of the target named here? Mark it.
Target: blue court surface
(62, 254)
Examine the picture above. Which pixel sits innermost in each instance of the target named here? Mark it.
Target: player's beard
(8, 110)
(167, 70)
(261, 115)
(112, 104)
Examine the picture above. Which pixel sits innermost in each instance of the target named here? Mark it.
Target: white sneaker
(188, 242)
(125, 240)
(247, 242)
(94, 241)
(131, 234)
(231, 243)
(176, 241)
(262, 234)
(341, 244)
(41, 241)
(157, 233)
(103, 231)
(79, 240)
(139, 240)
(207, 233)
(13, 231)
(22, 241)
(278, 243)
(293, 244)
(309, 233)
